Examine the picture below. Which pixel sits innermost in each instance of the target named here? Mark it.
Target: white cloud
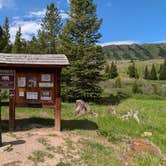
(68, 1)
(39, 13)
(28, 29)
(30, 23)
(127, 42)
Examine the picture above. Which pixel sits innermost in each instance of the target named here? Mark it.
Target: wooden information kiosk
(33, 81)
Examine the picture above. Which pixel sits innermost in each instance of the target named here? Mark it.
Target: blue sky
(124, 21)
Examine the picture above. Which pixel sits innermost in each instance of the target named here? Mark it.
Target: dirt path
(29, 147)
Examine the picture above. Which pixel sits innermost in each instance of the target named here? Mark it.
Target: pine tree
(33, 46)
(132, 71)
(78, 41)
(7, 47)
(2, 38)
(153, 74)
(50, 29)
(146, 73)
(17, 47)
(113, 73)
(160, 69)
(162, 74)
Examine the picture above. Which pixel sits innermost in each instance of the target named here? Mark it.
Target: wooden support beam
(0, 124)
(11, 110)
(57, 110)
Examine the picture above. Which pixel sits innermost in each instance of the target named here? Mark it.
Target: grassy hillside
(135, 51)
(140, 65)
(148, 87)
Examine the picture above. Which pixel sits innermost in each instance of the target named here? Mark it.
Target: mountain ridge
(135, 51)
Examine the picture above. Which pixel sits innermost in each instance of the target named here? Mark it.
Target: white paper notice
(21, 81)
(46, 84)
(32, 95)
(45, 77)
(45, 98)
(21, 94)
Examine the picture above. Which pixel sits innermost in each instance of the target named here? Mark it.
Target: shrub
(135, 88)
(118, 83)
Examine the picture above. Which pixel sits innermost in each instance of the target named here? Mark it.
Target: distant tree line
(76, 38)
(153, 74)
(111, 72)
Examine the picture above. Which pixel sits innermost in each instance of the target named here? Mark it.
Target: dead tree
(135, 116)
(131, 114)
(81, 107)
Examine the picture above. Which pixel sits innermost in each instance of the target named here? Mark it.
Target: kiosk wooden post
(0, 123)
(11, 110)
(57, 108)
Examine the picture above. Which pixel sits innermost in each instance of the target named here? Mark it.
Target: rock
(146, 134)
(6, 148)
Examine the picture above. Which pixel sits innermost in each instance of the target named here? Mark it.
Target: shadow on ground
(34, 122)
(17, 142)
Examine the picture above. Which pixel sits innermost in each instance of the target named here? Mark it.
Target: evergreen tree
(153, 74)
(113, 71)
(7, 47)
(33, 46)
(78, 41)
(50, 29)
(2, 37)
(160, 69)
(132, 71)
(17, 47)
(146, 73)
(162, 74)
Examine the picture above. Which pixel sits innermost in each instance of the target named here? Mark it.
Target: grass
(94, 153)
(152, 115)
(39, 156)
(111, 128)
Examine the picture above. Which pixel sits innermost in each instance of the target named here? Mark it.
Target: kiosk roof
(48, 60)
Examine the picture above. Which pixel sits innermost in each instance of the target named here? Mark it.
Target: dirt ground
(45, 147)
(25, 143)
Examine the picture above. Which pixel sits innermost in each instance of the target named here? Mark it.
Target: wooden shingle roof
(33, 59)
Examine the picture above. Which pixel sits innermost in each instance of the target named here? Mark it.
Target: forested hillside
(135, 51)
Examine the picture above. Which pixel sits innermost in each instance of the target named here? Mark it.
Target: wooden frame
(31, 80)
